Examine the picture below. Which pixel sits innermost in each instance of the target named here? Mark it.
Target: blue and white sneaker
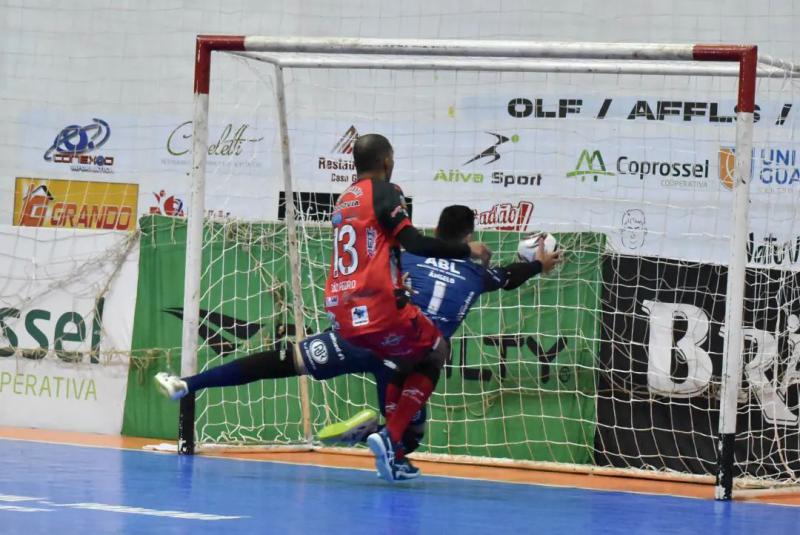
(404, 470)
(383, 449)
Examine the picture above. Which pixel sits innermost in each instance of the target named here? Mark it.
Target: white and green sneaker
(171, 386)
(351, 431)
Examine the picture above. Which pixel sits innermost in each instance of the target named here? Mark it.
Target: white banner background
(81, 266)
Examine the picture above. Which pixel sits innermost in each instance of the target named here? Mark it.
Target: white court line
(21, 509)
(15, 498)
(185, 515)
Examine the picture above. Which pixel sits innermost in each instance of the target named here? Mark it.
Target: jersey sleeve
(494, 279)
(390, 207)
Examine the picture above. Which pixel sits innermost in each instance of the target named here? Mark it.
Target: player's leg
(358, 427)
(329, 355)
(270, 364)
(419, 378)
(418, 385)
(390, 387)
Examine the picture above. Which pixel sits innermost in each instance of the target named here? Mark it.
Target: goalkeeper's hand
(548, 260)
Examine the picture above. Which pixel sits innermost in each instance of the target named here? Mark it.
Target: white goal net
(615, 359)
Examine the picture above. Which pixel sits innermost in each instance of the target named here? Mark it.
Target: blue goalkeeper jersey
(445, 289)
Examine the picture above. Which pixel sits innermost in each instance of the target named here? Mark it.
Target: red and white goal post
(546, 62)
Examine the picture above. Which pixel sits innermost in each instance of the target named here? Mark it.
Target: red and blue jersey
(364, 277)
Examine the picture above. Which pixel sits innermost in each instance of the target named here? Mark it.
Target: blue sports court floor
(64, 489)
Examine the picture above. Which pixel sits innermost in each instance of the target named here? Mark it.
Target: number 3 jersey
(363, 293)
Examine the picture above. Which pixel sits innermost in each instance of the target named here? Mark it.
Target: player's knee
(430, 369)
(438, 355)
(399, 377)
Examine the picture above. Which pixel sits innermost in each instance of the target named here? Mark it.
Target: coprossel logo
(589, 164)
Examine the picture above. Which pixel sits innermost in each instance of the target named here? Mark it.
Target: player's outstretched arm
(390, 209)
(512, 276)
(416, 243)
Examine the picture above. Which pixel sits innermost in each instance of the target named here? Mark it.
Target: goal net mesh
(615, 358)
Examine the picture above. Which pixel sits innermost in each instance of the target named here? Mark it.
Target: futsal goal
(666, 346)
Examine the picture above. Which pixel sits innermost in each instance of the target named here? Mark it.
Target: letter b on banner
(686, 351)
(770, 387)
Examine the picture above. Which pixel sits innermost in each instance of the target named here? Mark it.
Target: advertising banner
(661, 359)
(65, 328)
(75, 204)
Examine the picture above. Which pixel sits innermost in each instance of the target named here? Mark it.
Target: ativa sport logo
(341, 166)
(237, 332)
(490, 153)
(488, 156)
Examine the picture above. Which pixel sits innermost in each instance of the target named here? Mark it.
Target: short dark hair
(369, 151)
(455, 222)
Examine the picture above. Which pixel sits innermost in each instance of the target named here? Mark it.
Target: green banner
(244, 307)
(505, 394)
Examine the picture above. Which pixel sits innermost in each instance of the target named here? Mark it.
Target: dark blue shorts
(327, 355)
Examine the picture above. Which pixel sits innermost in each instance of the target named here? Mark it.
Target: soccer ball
(528, 247)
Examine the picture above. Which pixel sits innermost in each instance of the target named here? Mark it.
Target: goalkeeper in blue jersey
(445, 290)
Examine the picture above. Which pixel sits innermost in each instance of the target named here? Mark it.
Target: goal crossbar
(585, 66)
(538, 56)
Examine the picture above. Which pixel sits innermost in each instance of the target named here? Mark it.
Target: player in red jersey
(365, 297)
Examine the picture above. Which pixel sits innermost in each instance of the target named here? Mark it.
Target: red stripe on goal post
(205, 45)
(747, 56)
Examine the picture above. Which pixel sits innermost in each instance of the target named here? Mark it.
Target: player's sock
(264, 365)
(416, 391)
(392, 396)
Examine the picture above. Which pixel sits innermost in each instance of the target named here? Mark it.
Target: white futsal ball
(528, 248)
